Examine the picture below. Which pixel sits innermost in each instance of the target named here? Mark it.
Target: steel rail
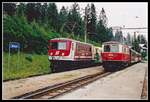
(61, 88)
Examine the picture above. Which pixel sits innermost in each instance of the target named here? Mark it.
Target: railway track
(62, 88)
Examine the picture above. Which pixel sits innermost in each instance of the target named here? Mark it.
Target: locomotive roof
(71, 40)
(112, 42)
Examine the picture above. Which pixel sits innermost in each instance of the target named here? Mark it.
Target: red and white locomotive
(116, 55)
(68, 53)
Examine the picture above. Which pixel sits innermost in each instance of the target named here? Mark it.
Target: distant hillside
(33, 24)
(32, 36)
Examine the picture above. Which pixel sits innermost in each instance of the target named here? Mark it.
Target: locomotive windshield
(111, 48)
(58, 45)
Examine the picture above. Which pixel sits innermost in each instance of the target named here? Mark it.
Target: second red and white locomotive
(117, 55)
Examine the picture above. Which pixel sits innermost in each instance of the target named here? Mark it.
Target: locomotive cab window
(111, 48)
(58, 45)
(53, 45)
(62, 46)
(114, 48)
(107, 48)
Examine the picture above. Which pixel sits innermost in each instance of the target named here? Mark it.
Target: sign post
(14, 45)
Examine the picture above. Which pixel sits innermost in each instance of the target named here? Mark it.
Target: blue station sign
(14, 45)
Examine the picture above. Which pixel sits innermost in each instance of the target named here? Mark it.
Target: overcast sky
(130, 14)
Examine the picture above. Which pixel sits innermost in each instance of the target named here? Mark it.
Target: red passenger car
(116, 55)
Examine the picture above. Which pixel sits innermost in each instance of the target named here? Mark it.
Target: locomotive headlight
(110, 55)
(57, 52)
(62, 54)
(51, 53)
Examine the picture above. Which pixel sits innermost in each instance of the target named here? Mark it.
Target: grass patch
(39, 65)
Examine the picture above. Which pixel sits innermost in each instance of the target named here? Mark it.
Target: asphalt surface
(126, 84)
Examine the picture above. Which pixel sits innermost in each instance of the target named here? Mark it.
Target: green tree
(143, 39)
(63, 16)
(103, 17)
(74, 23)
(135, 44)
(38, 12)
(31, 12)
(110, 34)
(9, 8)
(44, 14)
(87, 19)
(101, 28)
(93, 19)
(119, 36)
(101, 32)
(21, 9)
(92, 22)
(53, 16)
(129, 42)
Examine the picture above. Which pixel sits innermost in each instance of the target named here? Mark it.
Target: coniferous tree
(44, 14)
(135, 43)
(129, 42)
(101, 28)
(74, 22)
(93, 22)
(21, 9)
(143, 40)
(119, 36)
(93, 18)
(9, 8)
(110, 34)
(103, 17)
(38, 11)
(30, 12)
(63, 16)
(53, 16)
(87, 21)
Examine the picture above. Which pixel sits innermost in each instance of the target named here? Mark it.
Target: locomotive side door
(72, 50)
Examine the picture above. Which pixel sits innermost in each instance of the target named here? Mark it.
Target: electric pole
(85, 24)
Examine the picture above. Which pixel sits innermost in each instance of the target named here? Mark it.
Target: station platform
(126, 84)
(19, 87)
